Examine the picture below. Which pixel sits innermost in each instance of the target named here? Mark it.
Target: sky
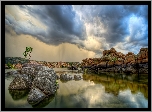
(74, 32)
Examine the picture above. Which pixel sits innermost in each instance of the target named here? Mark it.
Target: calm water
(93, 91)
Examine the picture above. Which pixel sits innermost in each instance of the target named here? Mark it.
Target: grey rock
(40, 79)
(46, 81)
(18, 83)
(66, 77)
(35, 96)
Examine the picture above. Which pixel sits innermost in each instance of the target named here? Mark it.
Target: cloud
(134, 101)
(90, 27)
(62, 24)
(15, 46)
(138, 31)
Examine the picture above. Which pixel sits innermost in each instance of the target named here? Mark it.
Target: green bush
(10, 65)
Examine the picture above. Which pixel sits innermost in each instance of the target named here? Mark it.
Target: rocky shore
(113, 61)
(39, 80)
(18, 62)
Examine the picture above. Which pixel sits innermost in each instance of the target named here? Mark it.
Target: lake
(93, 91)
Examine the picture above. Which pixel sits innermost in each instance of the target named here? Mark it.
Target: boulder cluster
(66, 77)
(113, 61)
(41, 80)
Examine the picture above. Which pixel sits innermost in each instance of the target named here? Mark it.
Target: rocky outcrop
(113, 61)
(41, 81)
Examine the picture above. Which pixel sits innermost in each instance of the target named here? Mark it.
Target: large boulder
(35, 96)
(46, 82)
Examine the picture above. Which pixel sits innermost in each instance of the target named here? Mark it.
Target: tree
(27, 51)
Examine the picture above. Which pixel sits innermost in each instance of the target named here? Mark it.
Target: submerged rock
(77, 77)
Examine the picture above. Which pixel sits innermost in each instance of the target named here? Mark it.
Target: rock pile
(66, 77)
(41, 81)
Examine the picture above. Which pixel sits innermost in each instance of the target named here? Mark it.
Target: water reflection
(18, 94)
(45, 102)
(115, 84)
(93, 91)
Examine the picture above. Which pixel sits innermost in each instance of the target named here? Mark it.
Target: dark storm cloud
(138, 10)
(116, 21)
(110, 24)
(62, 23)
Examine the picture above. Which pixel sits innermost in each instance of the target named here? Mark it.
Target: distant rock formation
(113, 61)
(18, 63)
